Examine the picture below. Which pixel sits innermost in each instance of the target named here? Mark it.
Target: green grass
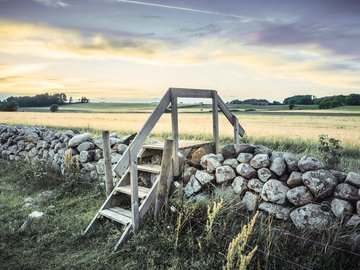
(58, 243)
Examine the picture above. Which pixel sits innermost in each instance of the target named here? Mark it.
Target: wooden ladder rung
(151, 168)
(117, 214)
(143, 192)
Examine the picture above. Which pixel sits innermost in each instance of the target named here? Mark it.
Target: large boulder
(262, 149)
(239, 185)
(229, 151)
(353, 179)
(204, 177)
(279, 211)
(78, 139)
(353, 222)
(299, 196)
(245, 148)
(188, 172)
(341, 207)
(291, 163)
(274, 191)
(278, 166)
(86, 156)
(321, 183)
(307, 163)
(224, 173)
(232, 162)
(255, 185)
(311, 216)
(212, 165)
(250, 201)
(260, 161)
(198, 154)
(86, 146)
(264, 174)
(204, 159)
(340, 176)
(192, 187)
(347, 192)
(245, 170)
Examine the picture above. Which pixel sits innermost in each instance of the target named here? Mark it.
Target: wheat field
(345, 128)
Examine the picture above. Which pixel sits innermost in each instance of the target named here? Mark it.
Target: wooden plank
(121, 211)
(215, 115)
(162, 191)
(175, 134)
(134, 192)
(151, 168)
(115, 216)
(229, 115)
(109, 186)
(236, 131)
(192, 93)
(146, 204)
(138, 141)
(142, 191)
(124, 237)
(183, 144)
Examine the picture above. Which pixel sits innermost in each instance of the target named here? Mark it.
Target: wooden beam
(162, 190)
(236, 131)
(109, 186)
(134, 192)
(232, 118)
(175, 133)
(215, 115)
(192, 93)
(138, 141)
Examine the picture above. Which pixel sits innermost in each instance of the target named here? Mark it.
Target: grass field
(295, 127)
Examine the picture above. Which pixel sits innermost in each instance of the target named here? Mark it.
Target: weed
(212, 214)
(330, 150)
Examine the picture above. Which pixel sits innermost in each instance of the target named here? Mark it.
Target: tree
(8, 105)
(70, 100)
(54, 108)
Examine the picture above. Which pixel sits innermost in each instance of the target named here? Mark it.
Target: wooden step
(151, 168)
(183, 144)
(142, 191)
(117, 214)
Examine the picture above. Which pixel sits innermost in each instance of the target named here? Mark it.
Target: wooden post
(134, 192)
(215, 114)
(175, 134)
(236, 130)
(107, 157)
(162, 191)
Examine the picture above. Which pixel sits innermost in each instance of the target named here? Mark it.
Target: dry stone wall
(301, 190)
(36, 145)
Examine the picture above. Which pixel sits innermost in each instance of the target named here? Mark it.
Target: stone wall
(302, 191)
(57, 147)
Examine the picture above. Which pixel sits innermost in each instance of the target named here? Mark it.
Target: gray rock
(295, 179)
(28, 225)
(224, 173)
(115, 157)
(278, 166)
(340, 176)
(274, 191)
(279, 211)
(347, 192)
(212, 165)
(115, 135)
(78, 139)
(353, 179)
(98, 154)
(255, 185)
(86, 156)
(358, 207)
(232, 162)
(122, 148)
(311, 216)
(353, 222)
(277, 155)
(36, 215)
(229, 151)
(299, 196)
(188, 172)
(239, 185)
(260, 161)
(245, 157)
(307, 163)
(321, 183)
(245, 170)
(90, 166)
(204, 177)
(100, 167)
(262, 149)
(86, 146)
(192, 187)
(245, 148)
(204, 159)
(291, 163)
(70, 133)
(250, 201)
(198, 154)
(264, 174)
(341, 207)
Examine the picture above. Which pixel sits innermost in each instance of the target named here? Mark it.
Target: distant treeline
(323, 102)
(41, 100)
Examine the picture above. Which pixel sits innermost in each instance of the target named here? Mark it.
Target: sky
(135, 50)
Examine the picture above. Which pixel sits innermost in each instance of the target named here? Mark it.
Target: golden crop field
(345, 128)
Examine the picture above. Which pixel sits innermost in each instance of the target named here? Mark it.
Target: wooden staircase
(132, 197)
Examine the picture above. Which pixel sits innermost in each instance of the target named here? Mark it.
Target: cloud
(52, 3)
